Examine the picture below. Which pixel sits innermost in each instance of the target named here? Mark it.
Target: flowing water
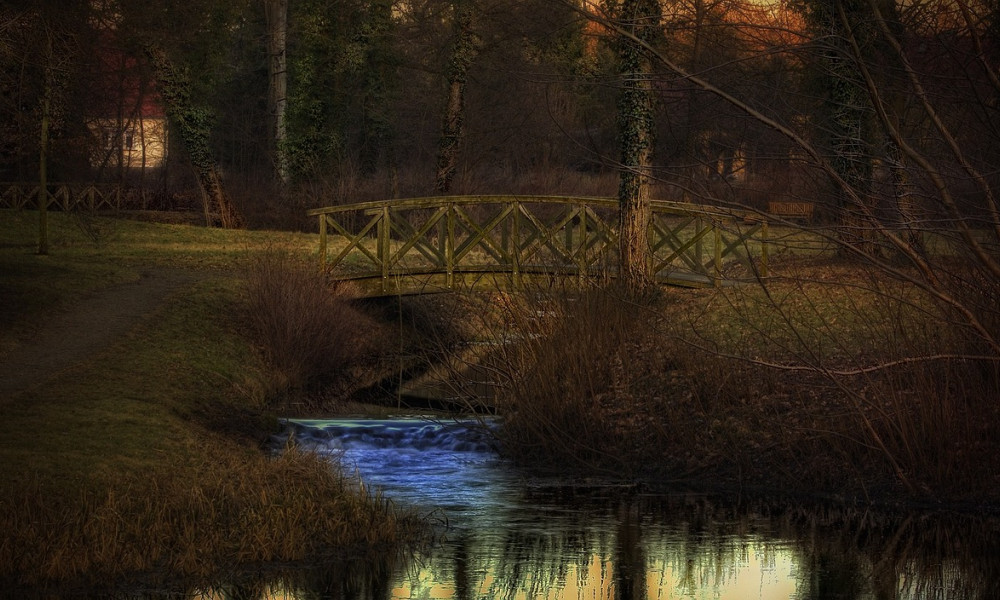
(512, 537)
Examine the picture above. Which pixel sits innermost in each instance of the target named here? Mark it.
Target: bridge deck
(423, 245)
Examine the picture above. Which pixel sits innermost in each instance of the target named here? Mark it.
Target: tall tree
(379, 81)
(638, 24)
(194, 124)
(845, 34)
(276, 13)
(41, 59)
(464, 49)
(893, 109)
(179, 40)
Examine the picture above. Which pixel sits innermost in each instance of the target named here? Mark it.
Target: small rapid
(434, 465)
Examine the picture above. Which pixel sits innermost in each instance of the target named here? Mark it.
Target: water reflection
(512, 538)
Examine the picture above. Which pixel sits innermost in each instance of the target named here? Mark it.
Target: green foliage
(342, 85)
(313, 139)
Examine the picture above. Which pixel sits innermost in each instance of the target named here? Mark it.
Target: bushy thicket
(852, 386)
(306, 325)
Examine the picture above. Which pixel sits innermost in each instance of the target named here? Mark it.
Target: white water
(447, 466)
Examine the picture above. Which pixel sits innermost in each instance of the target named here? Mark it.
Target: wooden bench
(792, 210)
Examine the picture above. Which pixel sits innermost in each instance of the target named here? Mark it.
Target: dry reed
(241, 509)
(306, 326)
(756, 389)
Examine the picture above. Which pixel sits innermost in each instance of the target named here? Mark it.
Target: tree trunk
(43, 152)
(276, 12)
(639, 19)
(379, 75)
(894, 107)
(853, 129)
(193, 125)
(463, 53)
(906, 203)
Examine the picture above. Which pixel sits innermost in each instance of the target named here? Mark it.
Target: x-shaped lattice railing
(439, 242)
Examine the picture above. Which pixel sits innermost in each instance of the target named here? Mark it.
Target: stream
(505, 535)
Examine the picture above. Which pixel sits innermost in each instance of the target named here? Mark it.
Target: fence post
(763, 249)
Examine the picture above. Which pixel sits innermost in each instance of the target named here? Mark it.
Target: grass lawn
(161, 427)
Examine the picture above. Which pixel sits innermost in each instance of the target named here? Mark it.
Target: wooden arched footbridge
(422, 245)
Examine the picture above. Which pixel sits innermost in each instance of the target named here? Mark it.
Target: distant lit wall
(135, 144)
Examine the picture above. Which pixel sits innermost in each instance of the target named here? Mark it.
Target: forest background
(292, 104)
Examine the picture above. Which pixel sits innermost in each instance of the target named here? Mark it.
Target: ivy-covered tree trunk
(905, 197)
(905, 194)
(378, 72)
(463, 53)
(276, 12)
(852, 159)
(193, 126)
(639, 21)
(850, 115)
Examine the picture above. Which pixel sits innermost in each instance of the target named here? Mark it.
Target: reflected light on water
(760, 572)
(511, 538)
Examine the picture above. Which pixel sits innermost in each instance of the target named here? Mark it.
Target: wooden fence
(75, 196)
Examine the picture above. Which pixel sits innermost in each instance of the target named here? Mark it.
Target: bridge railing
(419, 244)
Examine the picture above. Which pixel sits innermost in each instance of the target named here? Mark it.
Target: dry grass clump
(835, 382)
(306, 325)
(242, 509)
(574, 389)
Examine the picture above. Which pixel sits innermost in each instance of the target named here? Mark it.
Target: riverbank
(139, 458)
(131, 452)
(829, 381)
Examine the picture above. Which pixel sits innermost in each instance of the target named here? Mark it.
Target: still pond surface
(511, 537)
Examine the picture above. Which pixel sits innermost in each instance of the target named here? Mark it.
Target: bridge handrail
(665, 206)
(578, 234)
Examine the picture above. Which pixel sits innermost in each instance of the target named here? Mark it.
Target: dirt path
(92, 324)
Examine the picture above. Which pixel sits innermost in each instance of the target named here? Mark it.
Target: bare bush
(577, 381)
(306, 326)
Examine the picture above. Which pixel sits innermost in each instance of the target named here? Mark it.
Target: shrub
(305, 325)
(578, 386)
(849, 386)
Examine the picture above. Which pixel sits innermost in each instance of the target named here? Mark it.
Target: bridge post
(449, 248)
(699, 247)
(515, 237)
(383, 246)
(717, 280)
